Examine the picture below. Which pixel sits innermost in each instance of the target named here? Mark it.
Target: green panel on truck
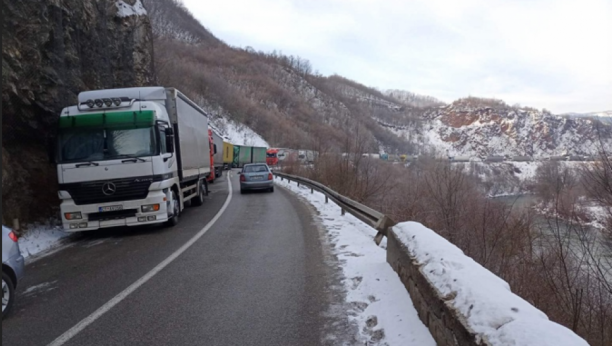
(245, 156)
(235, 162)
(259, 155)
(116, 119)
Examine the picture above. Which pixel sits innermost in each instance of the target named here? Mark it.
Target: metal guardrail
(371, 217)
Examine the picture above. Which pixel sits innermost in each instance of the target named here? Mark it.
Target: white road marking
(74, 331)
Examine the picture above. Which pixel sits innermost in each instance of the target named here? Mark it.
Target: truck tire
(8, 294)
(174, 220)
(202, 193)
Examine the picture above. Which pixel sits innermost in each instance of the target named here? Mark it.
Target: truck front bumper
(130, 215)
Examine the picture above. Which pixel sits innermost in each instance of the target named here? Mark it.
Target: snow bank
(40, 239)
(485, 300)
(380, 304)
(127, 10)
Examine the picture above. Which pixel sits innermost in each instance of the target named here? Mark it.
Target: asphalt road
(261, 275)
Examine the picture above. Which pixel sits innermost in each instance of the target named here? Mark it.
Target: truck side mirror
(170, 140)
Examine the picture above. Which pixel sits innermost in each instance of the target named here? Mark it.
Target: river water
(555, 228)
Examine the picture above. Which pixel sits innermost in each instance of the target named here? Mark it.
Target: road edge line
(79, 327)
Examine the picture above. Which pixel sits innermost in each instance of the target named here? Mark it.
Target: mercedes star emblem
(109, 189)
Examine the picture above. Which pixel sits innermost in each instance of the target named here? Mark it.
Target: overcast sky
(554, 54)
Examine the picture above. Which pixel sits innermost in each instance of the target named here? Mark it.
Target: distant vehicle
(256, 177)
(272, 157)
(131, 157)
(287, 155)
(494, 158)
(460, 159)
(228, 155)
(522, 158)
(371, 156)
(12, 269)
(218, 154)
(244, 155)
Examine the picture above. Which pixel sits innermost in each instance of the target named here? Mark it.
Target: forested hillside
(287, 103)
(280, 97)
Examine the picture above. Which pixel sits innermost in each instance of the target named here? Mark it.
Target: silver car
(12, 268)
(256, 176)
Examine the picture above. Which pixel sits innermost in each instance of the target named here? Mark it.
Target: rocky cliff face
(52, 50)
(474, 127)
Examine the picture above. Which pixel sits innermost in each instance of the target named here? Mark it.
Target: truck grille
(124, 190)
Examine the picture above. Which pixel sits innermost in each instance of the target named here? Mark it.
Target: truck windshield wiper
(90, 163)
(132, 159)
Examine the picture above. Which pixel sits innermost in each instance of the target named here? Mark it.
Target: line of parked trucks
(138, 156)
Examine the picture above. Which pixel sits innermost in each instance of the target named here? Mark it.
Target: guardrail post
(326, 199)
(343, 212)
(383, 228)
(312, 191)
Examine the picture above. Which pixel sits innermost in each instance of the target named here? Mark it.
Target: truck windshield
(271, 155)
(106, 144)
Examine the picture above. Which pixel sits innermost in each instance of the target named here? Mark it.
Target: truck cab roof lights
(106, 103)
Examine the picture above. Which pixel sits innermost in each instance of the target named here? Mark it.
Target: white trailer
(130, 157)
(218, 154)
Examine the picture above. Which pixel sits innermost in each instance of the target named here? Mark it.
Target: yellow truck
(228, 155)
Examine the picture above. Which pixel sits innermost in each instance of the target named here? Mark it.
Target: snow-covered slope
(238, 134)
(479, 128)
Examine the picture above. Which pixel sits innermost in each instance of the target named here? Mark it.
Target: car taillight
(13, 237)
(270, 176)
(242, 177)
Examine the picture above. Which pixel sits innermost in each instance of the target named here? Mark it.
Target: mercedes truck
(131, 157)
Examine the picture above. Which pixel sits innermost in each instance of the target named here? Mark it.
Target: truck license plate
(111, 208)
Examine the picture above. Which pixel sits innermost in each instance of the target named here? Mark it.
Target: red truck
(213, 151)
(272, 157)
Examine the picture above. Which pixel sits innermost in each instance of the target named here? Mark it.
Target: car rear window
(255, 169)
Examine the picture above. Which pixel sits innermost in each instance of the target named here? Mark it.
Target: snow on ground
(40, 239)
(127, 10)
(381, 305)
(490, 307)
(238, 134)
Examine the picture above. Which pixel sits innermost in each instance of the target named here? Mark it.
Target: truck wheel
(174, 220)
(8, 294)
(199, 200)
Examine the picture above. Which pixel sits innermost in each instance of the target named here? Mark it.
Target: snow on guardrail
(484, 300)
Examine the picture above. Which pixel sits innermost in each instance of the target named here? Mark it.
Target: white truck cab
(129, 157)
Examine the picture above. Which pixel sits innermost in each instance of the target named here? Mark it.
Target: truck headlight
(150, 208)
(73, 216)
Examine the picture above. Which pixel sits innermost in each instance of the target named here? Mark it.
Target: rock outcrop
(52, 50)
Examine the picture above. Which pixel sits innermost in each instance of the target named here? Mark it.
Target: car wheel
(174, 219)
(242, 192)
(271, 190)
(199, 200)
(8, 294)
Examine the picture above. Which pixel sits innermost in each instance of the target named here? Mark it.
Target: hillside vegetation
(282, 99)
